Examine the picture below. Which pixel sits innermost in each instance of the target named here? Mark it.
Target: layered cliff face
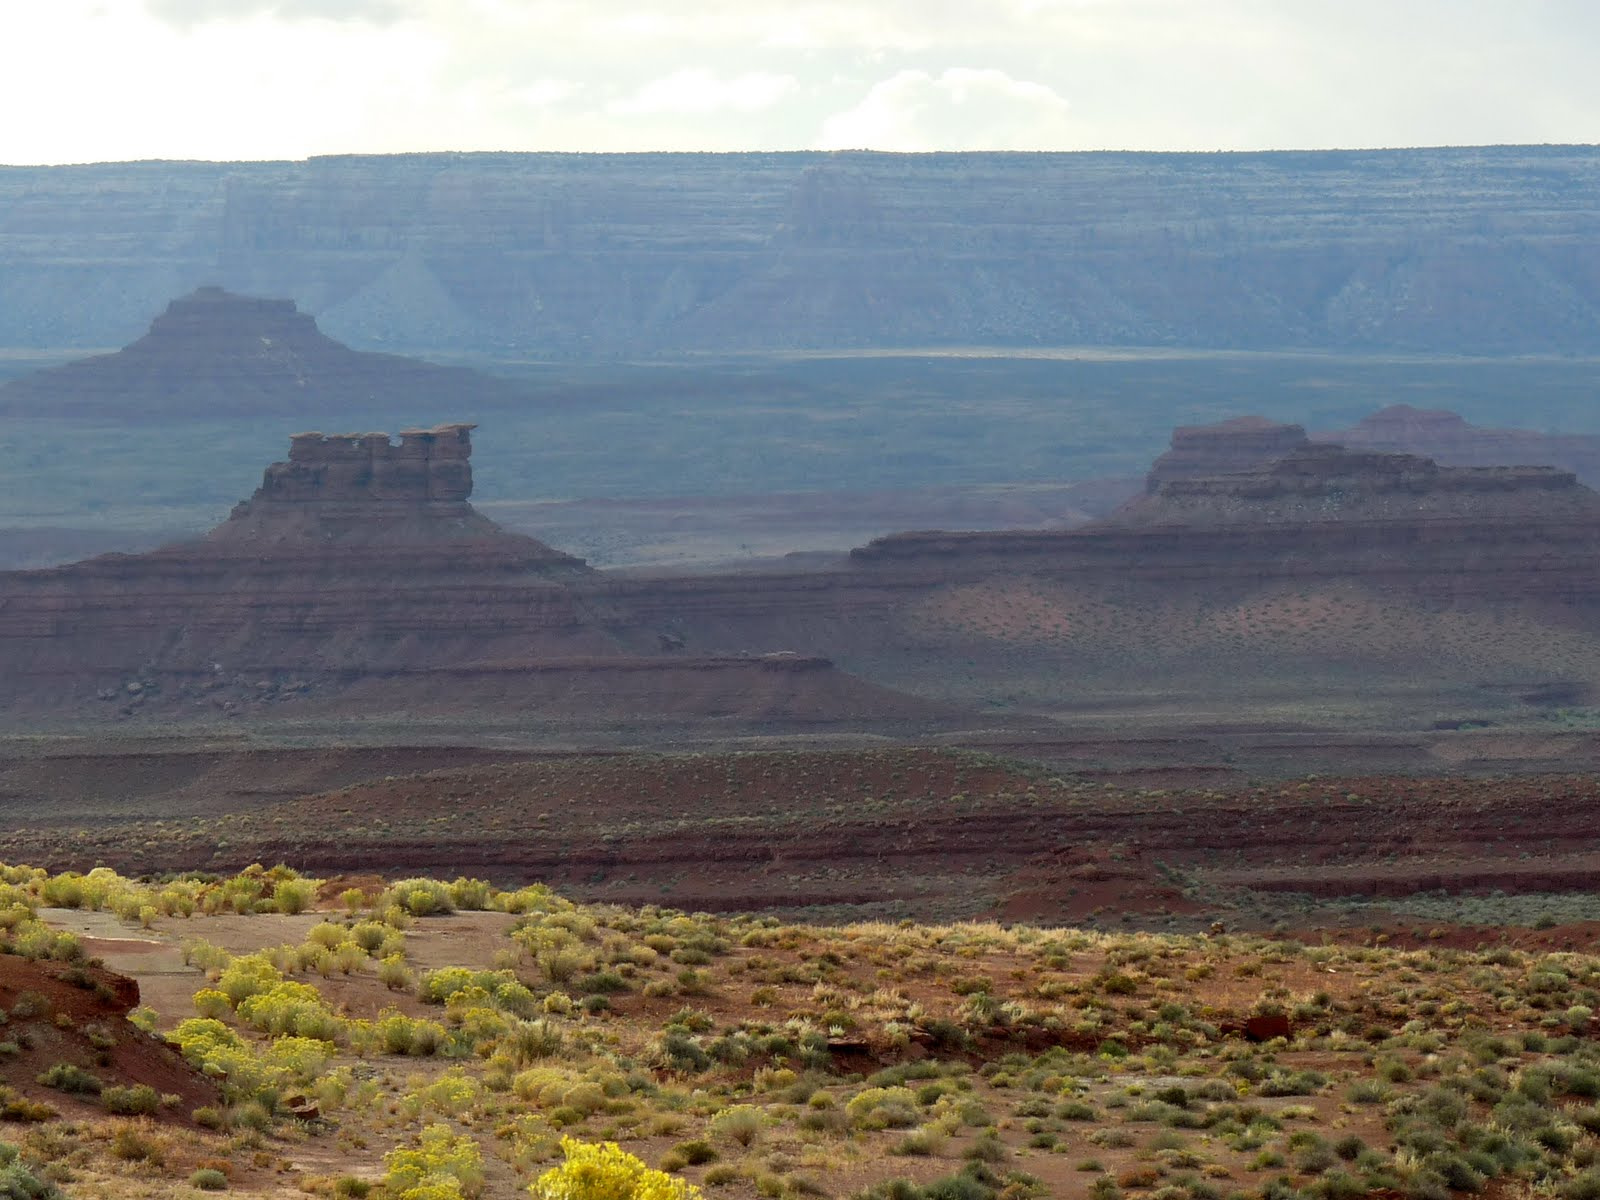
(1452, 441)
(1328, 586)
(1318, 569)
(1314, 485)
(1215, 515)
(358, 580)
(357, 553)
(365, 499)
(362, 488)
(1249, 474)
(1456, 250)
(214, 353)
(1242, 444)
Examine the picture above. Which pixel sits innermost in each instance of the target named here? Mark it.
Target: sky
(107, 80)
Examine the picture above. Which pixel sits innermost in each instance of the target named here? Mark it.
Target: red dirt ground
(893, 832)
(57, 1014)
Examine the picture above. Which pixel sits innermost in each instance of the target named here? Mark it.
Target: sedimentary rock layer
(1247, 502)
(1242, 444)
(359, 576)
(1488, 249)
(1452, 441)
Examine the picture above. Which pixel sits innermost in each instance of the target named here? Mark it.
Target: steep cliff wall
(1242, 444)
(1229, 507)
(356, 553)
(1477, 249)
(362, 488)
(1451, 441)
(358, 579)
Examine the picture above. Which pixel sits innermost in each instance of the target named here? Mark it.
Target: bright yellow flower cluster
(605, 1171)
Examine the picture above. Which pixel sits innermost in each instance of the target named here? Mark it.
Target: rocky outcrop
(357, 553)
(359, 580)
(1242, 444)
(213, 353)
(1452, 441)
(1252, 471)
(1316, 513)
(1476, 249)
(363, 488)
(1313, 485)
(362, 497)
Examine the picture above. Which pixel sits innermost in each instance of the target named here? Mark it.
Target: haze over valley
(888, 602)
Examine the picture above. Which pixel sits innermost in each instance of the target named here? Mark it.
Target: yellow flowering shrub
(441, 1166)
(247, 1068)
(605, 1171)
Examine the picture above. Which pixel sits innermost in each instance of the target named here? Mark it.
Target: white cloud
(960, 109)
(260, 88)
(700, 91)
(119, 79)
(195, 12)
(543, 93)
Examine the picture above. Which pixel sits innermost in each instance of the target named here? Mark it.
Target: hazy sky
(89, 80)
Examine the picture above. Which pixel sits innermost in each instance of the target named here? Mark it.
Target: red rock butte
(359, 579)
(360, 575)
(366, 488)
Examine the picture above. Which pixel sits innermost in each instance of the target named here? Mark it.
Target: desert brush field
(427, 1039)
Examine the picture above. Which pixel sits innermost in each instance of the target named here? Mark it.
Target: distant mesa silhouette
(1452, 441)
(215, 353)
(1240, 444)
(1253, 497)
(1250, 471)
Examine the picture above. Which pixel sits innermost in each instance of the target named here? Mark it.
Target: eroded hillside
(1467, 249)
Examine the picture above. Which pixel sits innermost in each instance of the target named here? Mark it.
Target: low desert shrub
(605, 1171)
(883, 1108)
(18, 1182)
(133, 1144)
(743, 1124)
(419, 897)
(692, 1153)
(70, 1078)
(138, 1101)
(441, 1165)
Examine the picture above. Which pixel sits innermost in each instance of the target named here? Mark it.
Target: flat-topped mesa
(1402, 428)
(213, 352)
(1453, 442)
(1321, 483)
(1242, 444)
(215, 323)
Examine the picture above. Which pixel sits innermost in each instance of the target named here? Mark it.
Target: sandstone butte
(359, 578)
